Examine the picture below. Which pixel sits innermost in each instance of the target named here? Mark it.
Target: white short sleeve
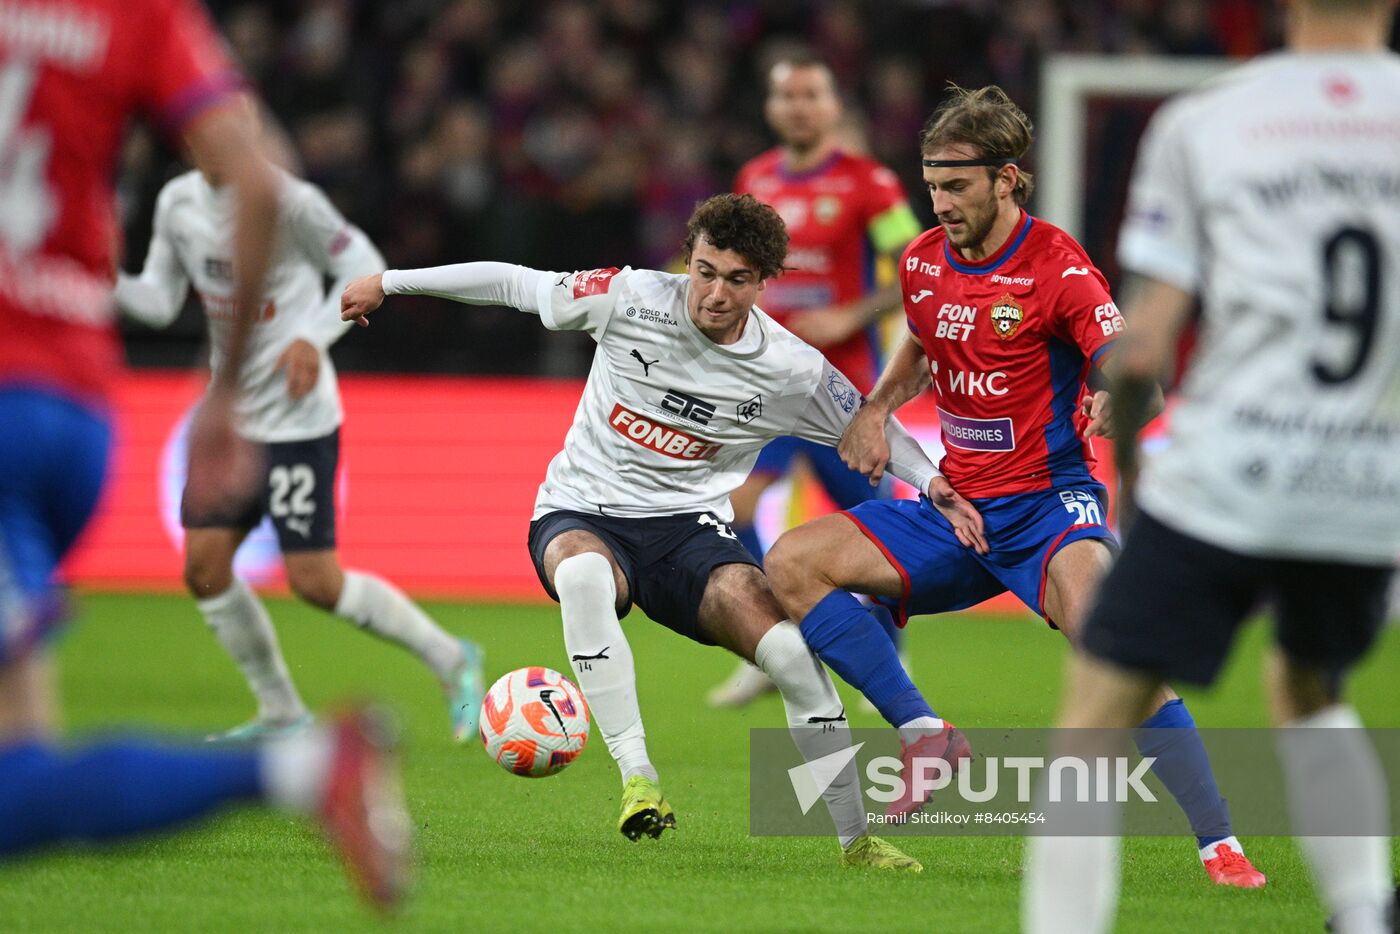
(1161, 233)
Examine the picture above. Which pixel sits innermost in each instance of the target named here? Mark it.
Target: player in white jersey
(689, 381)
(1273, 194)
(289, 403)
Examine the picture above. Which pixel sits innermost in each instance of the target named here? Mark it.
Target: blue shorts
(53, 458)
(846, 487)
(1023, 531)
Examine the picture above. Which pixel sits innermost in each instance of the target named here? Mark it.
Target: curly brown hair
(743, 224)
(988, 122)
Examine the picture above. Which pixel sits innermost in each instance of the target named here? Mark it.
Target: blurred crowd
(570, 134)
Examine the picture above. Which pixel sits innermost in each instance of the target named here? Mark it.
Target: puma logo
(583, 661)
(836, 719)
(926, 293)
(646, 364)
(300, 526)
(828, 724)
(1075, 271)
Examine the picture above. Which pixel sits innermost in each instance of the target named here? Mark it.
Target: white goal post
(1066, 83)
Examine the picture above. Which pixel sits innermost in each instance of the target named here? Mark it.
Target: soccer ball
(534, 722)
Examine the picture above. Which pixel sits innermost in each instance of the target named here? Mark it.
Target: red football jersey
(71, 73)
(1010, 341)
(832, 213)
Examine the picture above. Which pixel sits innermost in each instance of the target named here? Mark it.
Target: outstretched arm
(471, 283)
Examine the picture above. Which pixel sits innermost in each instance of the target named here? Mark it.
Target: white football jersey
(1274, 194)
(191, 246)
(670, 422)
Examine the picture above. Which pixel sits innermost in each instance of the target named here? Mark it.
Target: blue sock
(748, 537)
(1183, 766)
(849, 639)
(885, 618)
(113, 789)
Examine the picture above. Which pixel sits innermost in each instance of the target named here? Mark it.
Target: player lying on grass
(1008, 323)
(289, 405)
(688, 383)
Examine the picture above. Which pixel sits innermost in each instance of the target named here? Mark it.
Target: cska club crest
(1007, 315)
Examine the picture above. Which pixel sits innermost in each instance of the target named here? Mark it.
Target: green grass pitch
(498, 852)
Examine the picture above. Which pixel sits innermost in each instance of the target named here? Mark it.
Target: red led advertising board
(437, 482)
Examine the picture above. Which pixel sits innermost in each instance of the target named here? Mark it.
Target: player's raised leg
(739, 612)
(1169, 734)
(812, 569)
(848, 489)
(343, 773)
(375, 605)
(240, 622)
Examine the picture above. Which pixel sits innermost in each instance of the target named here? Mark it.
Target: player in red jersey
(843, 212)
(1009, 322)
(71, 74)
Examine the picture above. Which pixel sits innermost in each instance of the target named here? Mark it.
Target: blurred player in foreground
(289, 404)
(71, 74)
(689, 381)
(1009, 322)
(1273, 194)
(843, 212)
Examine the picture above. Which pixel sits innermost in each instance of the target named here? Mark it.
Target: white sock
(241, 624)
(912, 730)
(602, 659)
(1210, 851)
(815, 718)
(373, 603)
(1335, 781)
(295, 768)
(1071, 884)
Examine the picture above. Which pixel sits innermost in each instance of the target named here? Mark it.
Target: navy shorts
(1023, 532)
(667, 560)
(298, 493)
(1172, 604)
(847, 488)
(53, 460)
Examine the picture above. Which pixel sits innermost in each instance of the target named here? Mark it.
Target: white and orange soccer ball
(534, 722)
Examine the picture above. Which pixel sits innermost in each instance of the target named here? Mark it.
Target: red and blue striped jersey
(1010, 340)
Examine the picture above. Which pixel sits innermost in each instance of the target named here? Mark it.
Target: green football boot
(644, 809)
(871, 851)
